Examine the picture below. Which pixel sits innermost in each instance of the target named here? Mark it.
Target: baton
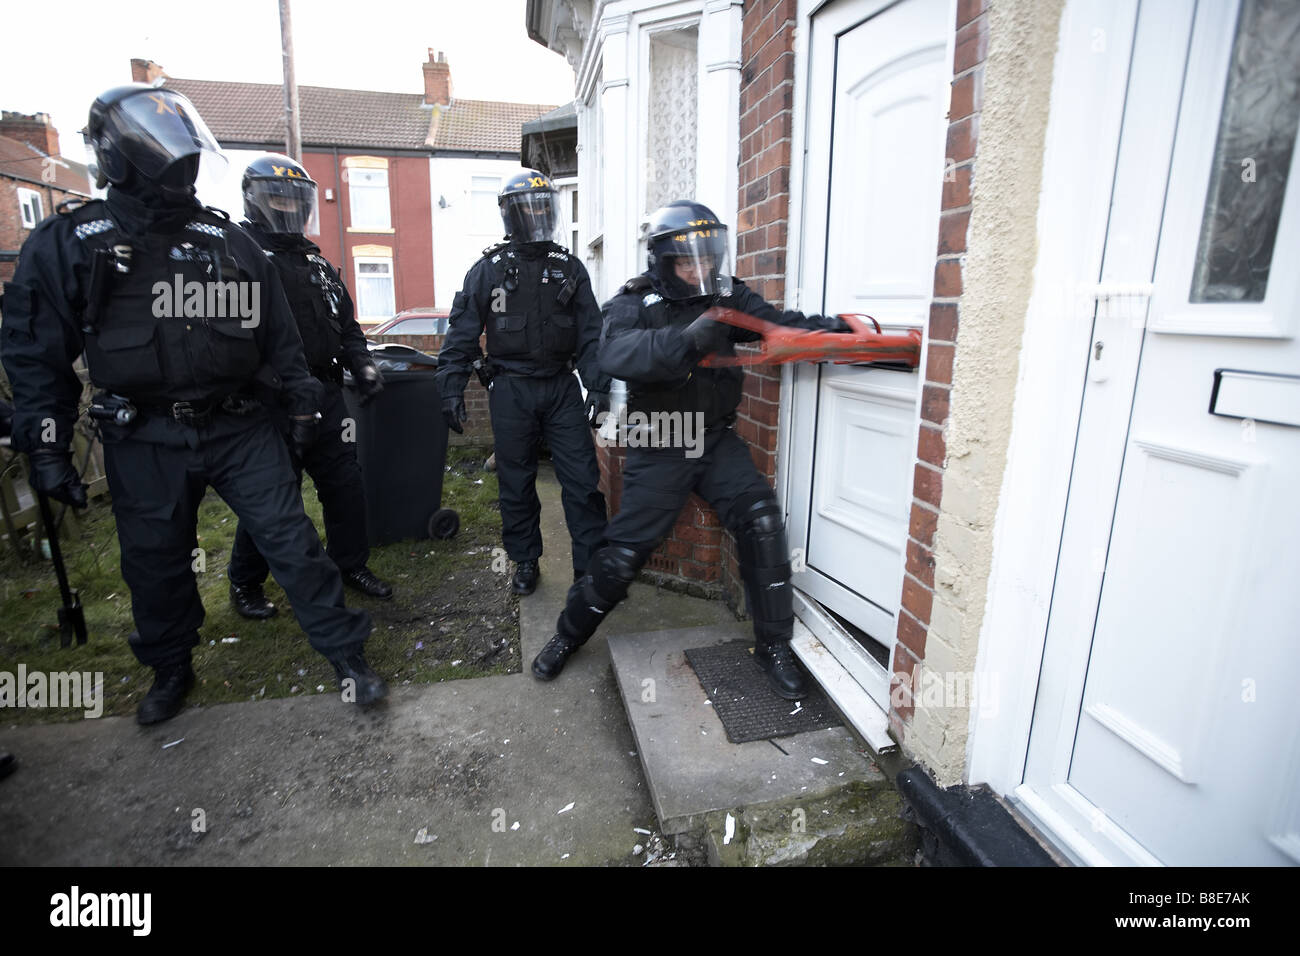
(72, 620)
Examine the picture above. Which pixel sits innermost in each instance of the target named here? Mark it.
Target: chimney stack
(34, 130)
(437, 80)
(146, 71)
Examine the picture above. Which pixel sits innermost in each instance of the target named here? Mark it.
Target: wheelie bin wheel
(443, 524)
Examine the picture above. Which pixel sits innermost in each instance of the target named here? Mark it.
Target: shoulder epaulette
(494, 249)
(220, 213)
(635, 285)
(71, 205)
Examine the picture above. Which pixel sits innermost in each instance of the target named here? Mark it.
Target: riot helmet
(155, 135)
(280, 196)
(687, 251)
(530, 208)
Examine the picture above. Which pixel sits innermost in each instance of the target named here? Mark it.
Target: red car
(422, 321)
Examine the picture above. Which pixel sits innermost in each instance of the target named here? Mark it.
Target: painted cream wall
(997, 279)
(457, 245)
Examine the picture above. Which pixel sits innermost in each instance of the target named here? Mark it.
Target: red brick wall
(762, 229)
(12, 233)
(927, 487)
(411, 216)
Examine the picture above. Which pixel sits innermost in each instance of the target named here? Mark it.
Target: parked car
(411, 322)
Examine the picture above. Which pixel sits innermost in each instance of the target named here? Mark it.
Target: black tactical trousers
(656, 484)
(524, 410)
(158, 472)
(332, 463)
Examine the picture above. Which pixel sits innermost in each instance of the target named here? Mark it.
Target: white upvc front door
(1165, 728)
(877, 101)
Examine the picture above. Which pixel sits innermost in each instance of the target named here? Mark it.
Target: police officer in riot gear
(542, 320)
(280, 206)
(654, 338)
(187, 334)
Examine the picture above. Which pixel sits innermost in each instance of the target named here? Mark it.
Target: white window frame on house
(358, 262)
(31, 206)
(366, 170)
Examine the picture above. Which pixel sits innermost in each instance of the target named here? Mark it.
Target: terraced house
(1056, 561)
(408, 181)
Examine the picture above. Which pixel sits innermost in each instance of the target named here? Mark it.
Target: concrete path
(497, 770)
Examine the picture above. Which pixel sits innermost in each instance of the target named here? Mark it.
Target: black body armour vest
(314, 296)
(536, 327)
(714, 392)
(167, 318)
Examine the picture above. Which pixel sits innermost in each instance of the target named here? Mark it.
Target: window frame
(26, 196)
(357, 262)
(353, 186)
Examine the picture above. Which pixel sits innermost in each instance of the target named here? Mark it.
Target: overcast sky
(59, 66)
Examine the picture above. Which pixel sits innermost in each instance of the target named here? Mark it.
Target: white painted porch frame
(1087, 104)
(617, 50)
(806, 244)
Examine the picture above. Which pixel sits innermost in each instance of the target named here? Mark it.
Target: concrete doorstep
(499, 770)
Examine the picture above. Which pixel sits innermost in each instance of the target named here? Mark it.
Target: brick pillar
(927, 485)
(762, 229)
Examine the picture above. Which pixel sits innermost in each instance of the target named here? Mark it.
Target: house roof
(25, 161)
(483, 125)
(254, 113)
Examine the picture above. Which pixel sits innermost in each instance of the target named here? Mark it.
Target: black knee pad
(610, 573)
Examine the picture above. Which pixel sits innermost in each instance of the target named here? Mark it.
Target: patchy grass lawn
(451, 617)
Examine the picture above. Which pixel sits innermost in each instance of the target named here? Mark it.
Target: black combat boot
(367, 686)
(170, 685)
(525, 579)
(363, 579)
(548, 664)
(777, 661)
(251, 602)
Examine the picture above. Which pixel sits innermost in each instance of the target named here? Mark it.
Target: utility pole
(293, 131)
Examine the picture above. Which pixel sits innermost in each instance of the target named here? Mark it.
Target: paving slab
(691, 767)
(484, 767)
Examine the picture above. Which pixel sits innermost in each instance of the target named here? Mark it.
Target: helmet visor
(152, 130)
(696, 262)
(532, 216)
(283, 205)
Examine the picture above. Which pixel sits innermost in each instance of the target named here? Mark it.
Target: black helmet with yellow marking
(530, 208)
(280, 196)
(151, 134)
(686, 251)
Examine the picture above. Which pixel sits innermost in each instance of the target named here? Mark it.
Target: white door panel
(879, 79)
(1164, 728)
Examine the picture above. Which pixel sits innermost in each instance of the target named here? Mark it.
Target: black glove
(52, 475)
(820, 323)
(597, 407)
(453, 409)
(829, 323)
(302, 433)
(369, 382)
(706, 335)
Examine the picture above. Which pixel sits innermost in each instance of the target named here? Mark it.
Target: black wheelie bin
(402, 447)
